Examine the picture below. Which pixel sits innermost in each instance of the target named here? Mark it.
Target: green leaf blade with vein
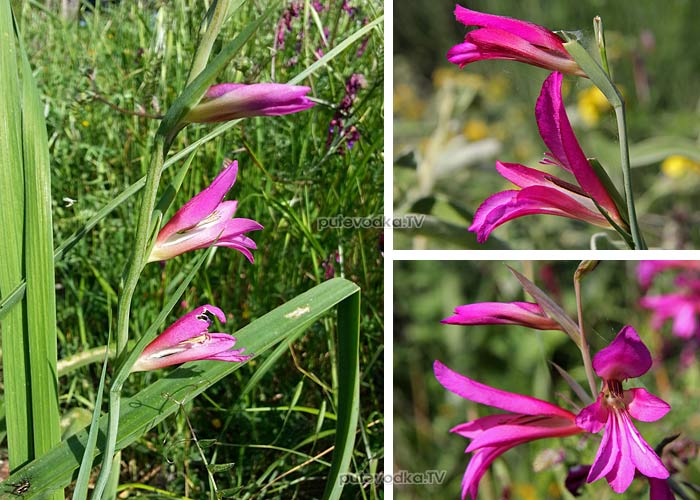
(39, 270)
(14, 348)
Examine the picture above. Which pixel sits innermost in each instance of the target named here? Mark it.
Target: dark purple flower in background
(284, 25)
(338, 126)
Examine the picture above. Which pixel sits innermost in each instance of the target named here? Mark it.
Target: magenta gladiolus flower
(227, 101)
(683, 308)
(502, 313)
(648, 269)
(188, 339)
(491, 436)
(623, 450)
(543, 193)
(501, 37)
(206, 220)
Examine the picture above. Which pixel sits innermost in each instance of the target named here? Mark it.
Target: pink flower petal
(507, 205)
(608, 452)
(190, 325)
(477, 467)
(480, 393)
(625, 357)
(228, 101)
(559, 137)
(640, 453)
(533, 33)
(475, 427)
(644, 406)
(231, 355)
(524, 429)
(593, 417)
(206, 347)
(622, 474)
(494, 43)
(505, 313)
(202, 204)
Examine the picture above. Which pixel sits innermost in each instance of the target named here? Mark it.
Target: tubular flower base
(623, 450)
(206, 220)
(228, 101)
(493, 435)
(502, 313)
(501, 37)
(543, 193)
(188, 339)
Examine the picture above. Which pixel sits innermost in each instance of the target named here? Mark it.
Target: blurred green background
(451, 125)
(516, 359)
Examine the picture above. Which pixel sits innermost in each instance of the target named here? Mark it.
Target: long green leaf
(14, 341)
(39, 269)
(164, 397)
(348, 393)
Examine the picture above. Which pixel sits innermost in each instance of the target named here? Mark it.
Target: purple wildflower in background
(188, 339)
(284, 25)
(648, 269)
(338, 127)
(207, 220)
(623, 450)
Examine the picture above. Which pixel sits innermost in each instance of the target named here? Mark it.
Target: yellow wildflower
(591, 103)
(676, 166)
(475, 130)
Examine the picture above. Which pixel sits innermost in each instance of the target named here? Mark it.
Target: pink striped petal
(190, 325)
(477, 467)
(559, 137)
(494, 43)
(504, 313)
(507, 205)
(475, 427)
(524, 429)
(480, 393)
(533, 33)
(202, 204)
(608, 452)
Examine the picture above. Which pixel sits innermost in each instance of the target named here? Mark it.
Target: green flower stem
(115, 396)
(141, 243)
(602, 80)
(627, 175)
(585, 267)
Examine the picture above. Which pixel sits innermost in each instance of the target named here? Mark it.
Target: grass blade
(39, 270)
(348, 392)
